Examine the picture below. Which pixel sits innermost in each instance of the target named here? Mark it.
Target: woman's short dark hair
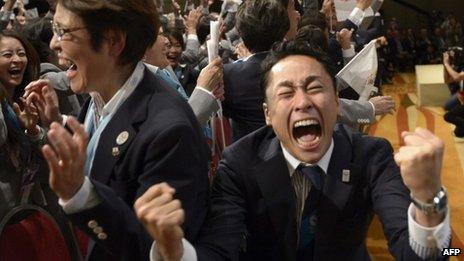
(175, 34)
(138, 19)
(285, 49)
(203, 29)
(261, 23)
(33, 64)
(314, 36)
(284, 3)
(313, 18)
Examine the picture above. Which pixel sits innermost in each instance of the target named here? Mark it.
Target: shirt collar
(254, 54)
(121, 95)
(247, 58)
(293, 163)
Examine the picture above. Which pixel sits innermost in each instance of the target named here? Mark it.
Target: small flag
(360, 72)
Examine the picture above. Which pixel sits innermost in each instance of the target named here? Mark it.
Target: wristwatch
(438, 205)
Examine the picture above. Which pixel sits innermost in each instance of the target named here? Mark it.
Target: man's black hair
(261, 23)
(285, 49)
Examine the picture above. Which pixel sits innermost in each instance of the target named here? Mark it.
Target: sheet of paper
(213, 51)
(344, 8)
(214, 31)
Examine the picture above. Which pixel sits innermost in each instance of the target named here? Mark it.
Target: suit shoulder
(248, 148)
(154, 82)
(364, 143)
(374, 144)
(165, 106)
(231, 67)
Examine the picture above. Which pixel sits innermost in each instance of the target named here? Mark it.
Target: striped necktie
(315, 175)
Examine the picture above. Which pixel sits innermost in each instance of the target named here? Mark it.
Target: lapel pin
(346, 176)
(115, 151)
(122, 137)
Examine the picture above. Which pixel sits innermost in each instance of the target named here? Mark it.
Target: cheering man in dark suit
(303, 188)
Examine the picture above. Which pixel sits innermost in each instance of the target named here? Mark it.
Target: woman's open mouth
(15, 72)
(172, 58)
(72, 69)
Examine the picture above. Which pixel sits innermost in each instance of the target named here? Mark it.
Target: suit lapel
(123, 123)
(274, 182)
(335, 192)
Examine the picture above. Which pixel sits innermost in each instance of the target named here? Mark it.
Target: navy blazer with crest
(165, 144)
(252, 211)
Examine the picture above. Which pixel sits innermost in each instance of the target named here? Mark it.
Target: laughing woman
(20, 156)
(141, 133)
(18, 66)
(24, 216)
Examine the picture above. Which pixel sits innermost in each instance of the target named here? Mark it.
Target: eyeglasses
(60, 32)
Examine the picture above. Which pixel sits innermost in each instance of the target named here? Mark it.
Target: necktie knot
(314, 174)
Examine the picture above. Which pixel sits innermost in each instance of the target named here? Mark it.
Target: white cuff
(85, 198)
(39, 136)
(356, 16)
(349, 52)
(192, 37)
(189, 252)
(205, 90)
(427, 242)
(373, 109)
(369, 12)
(65, 118)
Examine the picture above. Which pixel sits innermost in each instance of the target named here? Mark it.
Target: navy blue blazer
(252, 212)
(335, 50)
(165, 143)
(243, 102)
(188, 78)
(336, 56)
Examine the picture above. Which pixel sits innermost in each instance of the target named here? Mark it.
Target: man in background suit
(137, 131)
(339, 53)
(243, 99)
(300, 189)
(259, 30)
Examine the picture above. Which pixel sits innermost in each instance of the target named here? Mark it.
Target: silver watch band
(438, 205)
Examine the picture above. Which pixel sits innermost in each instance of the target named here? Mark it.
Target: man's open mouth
(307, 132)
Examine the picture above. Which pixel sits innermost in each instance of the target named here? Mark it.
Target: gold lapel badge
(115, 151)
(122, 137)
